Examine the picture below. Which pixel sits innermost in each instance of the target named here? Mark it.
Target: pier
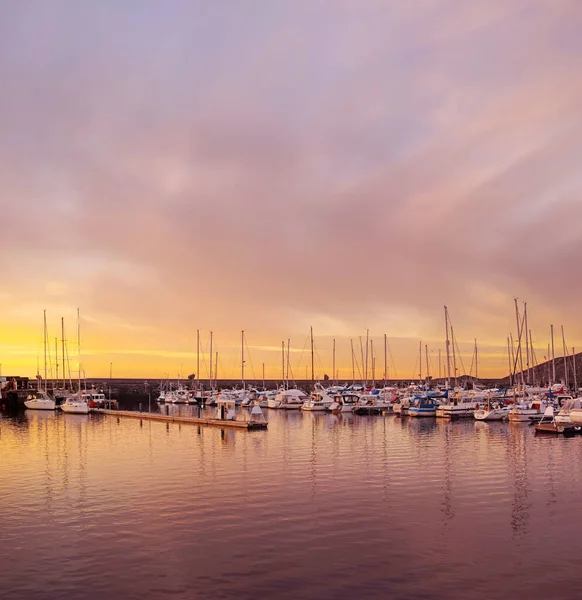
(232, 423)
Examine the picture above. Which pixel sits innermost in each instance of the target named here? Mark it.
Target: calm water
(316, 507)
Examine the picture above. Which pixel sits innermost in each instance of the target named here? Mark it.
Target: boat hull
(495, 414)
(36, 404)
(75, 409)
(421, 412)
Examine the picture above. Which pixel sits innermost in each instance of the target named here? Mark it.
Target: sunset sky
(168, 166)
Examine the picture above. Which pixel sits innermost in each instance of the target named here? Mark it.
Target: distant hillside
(542, 373)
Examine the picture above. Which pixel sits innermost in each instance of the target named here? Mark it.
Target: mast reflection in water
(319, 506)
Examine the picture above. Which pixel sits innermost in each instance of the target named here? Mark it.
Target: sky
(173, 166)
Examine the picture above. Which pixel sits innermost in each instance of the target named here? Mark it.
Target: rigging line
(459, 353)
(392, 360)
(415, 370)
(250, 359)
(307, 340)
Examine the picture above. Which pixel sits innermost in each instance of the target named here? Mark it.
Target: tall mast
(527, 344)
(288, 359)
(197, 357)
(333, 364)
(476, 361)
(454, 356)
(366, 369)
(519, 334)
(574, 369)
(353, 363)
(509, 361)
(242, 360)
(426, 356)
(565, 359)
(264, 388)
(44, 335)
(373, 363)
(385, 359)
(56, 381)
(312, 361)
(448, 348)
(553, 355)
(283, 362)
(216, 372)
(210, 380)
(420, 361)
(79, 347)
(63, 344)
(362, 357)
(534, 362)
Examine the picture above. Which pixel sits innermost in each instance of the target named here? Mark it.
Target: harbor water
(318, 506)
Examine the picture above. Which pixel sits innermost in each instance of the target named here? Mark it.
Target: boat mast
(362, 358)
(56, 381)
(242, 362)
(440, 369)
(454, 355)
(283, 363)
(527, 350)
(63, 344)
(210, 380)
(312, 362)
(288, 359)
(509, 361)
(373, 363)
(216, 372)
(385, 359)
(44, 332)
(448, 348)
(366, 368)
(476, 362)
(553, 356)
(420, 361)
(197, 358)
(426, 356)
(534, 361)
(264, 388)
(565, 359)
(519, 333)
(574, 369)
(79, 347)
(333, 363)
(353, 363)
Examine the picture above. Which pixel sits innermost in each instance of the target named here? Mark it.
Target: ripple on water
(318, 506)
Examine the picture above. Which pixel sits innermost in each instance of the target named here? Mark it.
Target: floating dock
(132, 414)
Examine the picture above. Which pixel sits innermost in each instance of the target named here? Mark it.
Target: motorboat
(344, 403)
(318, 400)
(492, 412)
(75, 405)
(291, 399)
(566, 409)
(527, 410)
(423, 407)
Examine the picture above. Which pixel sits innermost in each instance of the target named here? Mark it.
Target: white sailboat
(41, 400)
(76, 403)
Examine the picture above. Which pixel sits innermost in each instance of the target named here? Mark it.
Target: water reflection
(317, 506)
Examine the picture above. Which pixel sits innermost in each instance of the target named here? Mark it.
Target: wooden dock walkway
(132, 414)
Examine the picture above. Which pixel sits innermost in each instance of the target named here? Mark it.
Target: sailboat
(76, 403)
(41, 400)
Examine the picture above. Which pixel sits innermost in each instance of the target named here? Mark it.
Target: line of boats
(515, 404)
(80, 402)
